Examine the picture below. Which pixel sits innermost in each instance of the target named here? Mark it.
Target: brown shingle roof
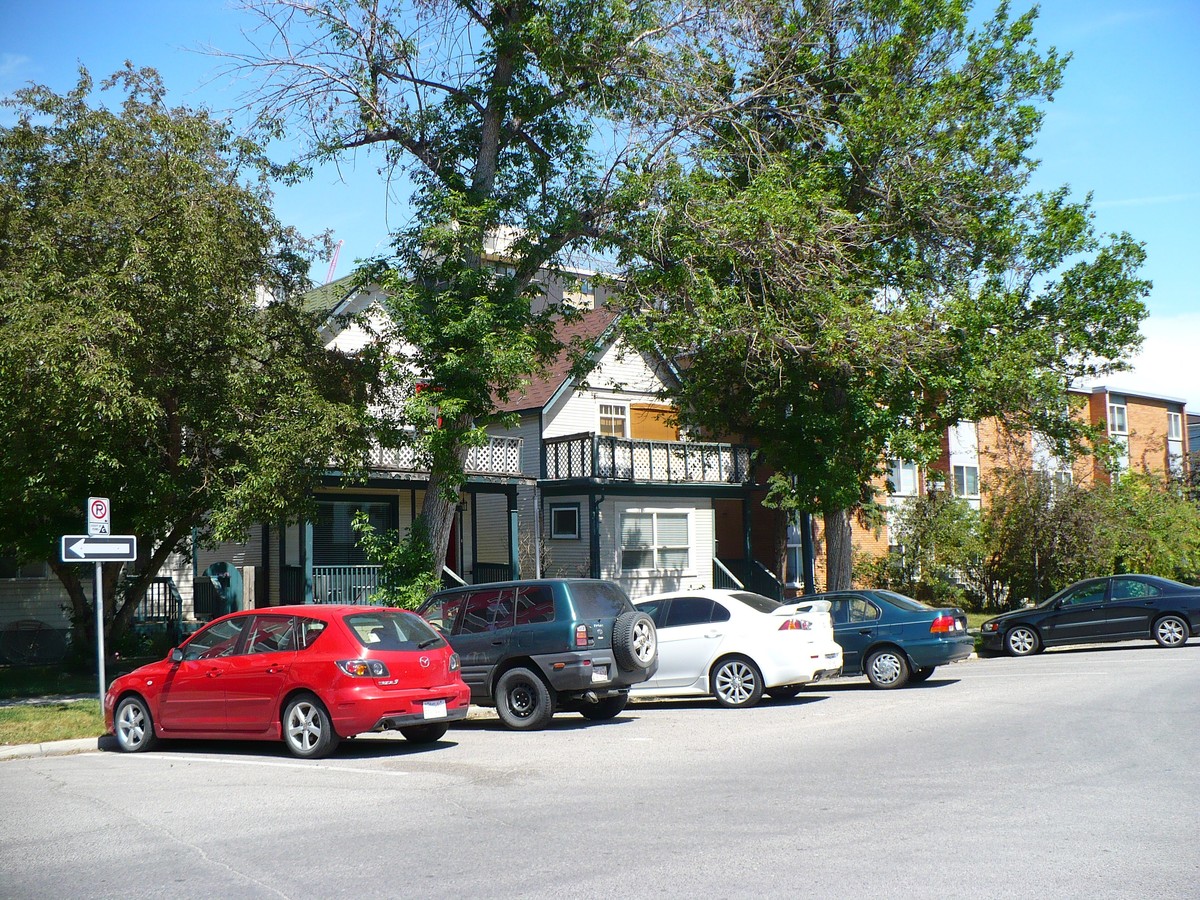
(585, 329)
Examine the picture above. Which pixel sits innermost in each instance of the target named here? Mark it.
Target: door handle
(213, 673)
(497, 643)
(866, 631)
(273, 670)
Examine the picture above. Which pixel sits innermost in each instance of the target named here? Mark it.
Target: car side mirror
(176, 655)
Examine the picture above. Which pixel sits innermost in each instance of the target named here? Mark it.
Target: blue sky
(1125, 126)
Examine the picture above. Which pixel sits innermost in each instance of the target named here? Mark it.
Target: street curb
(52, 748)
(108, 742)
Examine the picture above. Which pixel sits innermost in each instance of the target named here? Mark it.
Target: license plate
(599, 673)
(435, 709)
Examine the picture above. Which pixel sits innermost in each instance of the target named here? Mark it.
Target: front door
(193, 696)
(1079, 615)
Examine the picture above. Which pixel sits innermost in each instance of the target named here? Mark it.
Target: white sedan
(735, 645)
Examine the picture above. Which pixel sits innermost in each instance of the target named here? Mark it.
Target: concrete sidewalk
(56, 748)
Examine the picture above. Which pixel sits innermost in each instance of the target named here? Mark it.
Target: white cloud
(1169, 362)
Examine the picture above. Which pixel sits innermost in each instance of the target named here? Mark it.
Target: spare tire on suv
(531, 648)
(634, 641)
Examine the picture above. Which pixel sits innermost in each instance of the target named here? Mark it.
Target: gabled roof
(326, 298)
(589, 329)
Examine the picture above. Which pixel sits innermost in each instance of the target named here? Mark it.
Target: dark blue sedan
(893, 639)
(1116, 608)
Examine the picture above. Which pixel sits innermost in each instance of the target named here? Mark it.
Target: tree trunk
(437, 512)
(839, 553)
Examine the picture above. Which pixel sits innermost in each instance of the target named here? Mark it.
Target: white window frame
(565, 535)
(656, 547)
(897, 465)
(618, 410)
(961, 490)
(1118, 418)
(1174, 426)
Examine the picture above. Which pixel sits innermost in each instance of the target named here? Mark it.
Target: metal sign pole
(100, 629)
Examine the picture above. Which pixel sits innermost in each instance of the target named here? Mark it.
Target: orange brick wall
(1147, 434)
(1001, 450)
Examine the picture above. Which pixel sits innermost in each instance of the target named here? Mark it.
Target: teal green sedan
(894, 639)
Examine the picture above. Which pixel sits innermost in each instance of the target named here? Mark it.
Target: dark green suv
(531, 648)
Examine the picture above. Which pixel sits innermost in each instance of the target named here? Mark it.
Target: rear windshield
(757, 602)
(387, 630)
(903, 602)
(598, 599)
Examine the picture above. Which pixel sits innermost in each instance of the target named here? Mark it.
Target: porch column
(806, 551)
(594, 501)
(306, 550)
(474, 498)
(514, 557)
(747, 543)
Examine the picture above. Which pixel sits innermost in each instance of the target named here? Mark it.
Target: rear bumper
(940, 651)
(800, 664)
(370, 708)
(593, 671)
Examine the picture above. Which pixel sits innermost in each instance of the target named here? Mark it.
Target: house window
(335, 542)
(10, 568)
(614, 419)
(1118, 422)
(1058, 480)
(564, 521)
(1174, 426)
(966, 481)
(654, 541)
(903, 476)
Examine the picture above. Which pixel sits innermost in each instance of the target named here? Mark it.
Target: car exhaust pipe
(591, 697)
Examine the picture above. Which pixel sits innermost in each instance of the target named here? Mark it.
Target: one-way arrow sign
(86, 548)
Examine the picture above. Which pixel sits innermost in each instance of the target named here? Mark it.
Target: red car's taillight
(581, 635)
(455, 662)
(796, 625)
(944, 625)
(363, 668)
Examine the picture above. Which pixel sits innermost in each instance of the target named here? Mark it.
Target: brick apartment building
(1148, 430)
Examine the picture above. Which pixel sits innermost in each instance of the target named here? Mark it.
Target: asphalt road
(1070, 774)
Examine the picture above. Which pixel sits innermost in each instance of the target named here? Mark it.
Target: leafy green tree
(937, 555)
(1151, 526)
(405, 575)
(850, 259)
(492, 111)
(1040, 535)
(148, 349)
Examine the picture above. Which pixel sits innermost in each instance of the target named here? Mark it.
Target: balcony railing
(499, 456)
(665, 462)
(358, 584)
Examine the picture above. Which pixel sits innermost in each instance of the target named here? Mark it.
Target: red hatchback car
(309, 675)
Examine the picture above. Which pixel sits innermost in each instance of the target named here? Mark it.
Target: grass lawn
(60, 721)
(974, 619)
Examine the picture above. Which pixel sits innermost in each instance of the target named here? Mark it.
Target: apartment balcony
(595, 456)
(499, 456)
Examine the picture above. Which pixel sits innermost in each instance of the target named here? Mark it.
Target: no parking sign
(98, 516)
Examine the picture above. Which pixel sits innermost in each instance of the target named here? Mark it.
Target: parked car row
(313, 675)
